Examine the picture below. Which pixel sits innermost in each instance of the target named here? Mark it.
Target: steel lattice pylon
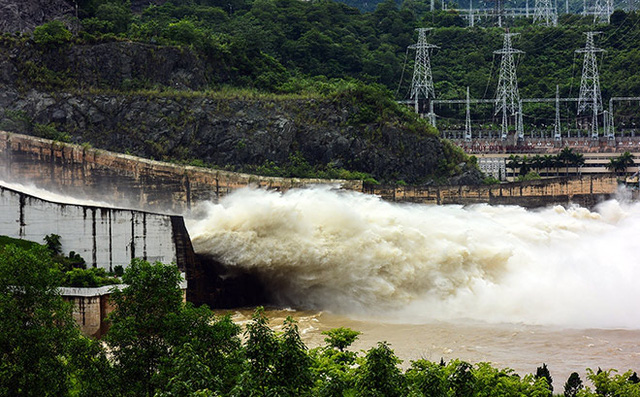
(590, 94)
(544, 13)
(422, 82)
(507, 95)
(557, 133)
(602, 10)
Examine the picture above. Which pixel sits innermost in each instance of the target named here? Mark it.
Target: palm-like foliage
(621, 163)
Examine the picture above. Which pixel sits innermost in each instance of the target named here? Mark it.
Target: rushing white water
(355, 254)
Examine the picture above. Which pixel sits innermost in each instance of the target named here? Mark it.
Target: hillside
(61, 92)
(324, 56)
(25, 15)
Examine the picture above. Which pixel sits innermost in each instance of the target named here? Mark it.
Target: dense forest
(287, 46)
(310, 50)
(159, 346)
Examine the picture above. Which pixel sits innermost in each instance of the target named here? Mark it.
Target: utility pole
(507, 95)
(467, 123)
(590, 94)
(471, 16)
(556, 128)
(422, 82)
(544, 13)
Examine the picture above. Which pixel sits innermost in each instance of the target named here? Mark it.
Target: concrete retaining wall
(584, 190)
(130, 181)
(134, 182)
(104, 237)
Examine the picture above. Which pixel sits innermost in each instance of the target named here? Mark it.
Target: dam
(143, 205)
(471, 281)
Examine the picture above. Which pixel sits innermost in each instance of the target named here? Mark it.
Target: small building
(91, 306)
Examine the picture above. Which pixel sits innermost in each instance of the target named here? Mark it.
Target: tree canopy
(159, 345)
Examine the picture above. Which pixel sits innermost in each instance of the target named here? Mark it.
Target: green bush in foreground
(160, 346)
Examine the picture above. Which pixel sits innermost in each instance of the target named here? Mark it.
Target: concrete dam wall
(104, 237)
(133, 182)
(129, 181)
(583, 190)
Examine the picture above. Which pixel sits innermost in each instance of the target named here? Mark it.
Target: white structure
(104, 237)
(493, 166)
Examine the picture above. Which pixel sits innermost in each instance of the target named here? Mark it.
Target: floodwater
(520, 347)
(502, 284)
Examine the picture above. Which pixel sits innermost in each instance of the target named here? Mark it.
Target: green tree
(340, 338)
(428, 379)
(573, 385)
(332, 363)
(189, 375)
(543, 373)
(379, 375)
(462, 381)
(566, 157)
(621, 163)
(139, 323)
(514, 162)
(36, 326)
(293, 365)
(53, 244)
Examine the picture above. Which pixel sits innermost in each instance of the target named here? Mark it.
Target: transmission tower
(544, 13)
(422, 82)
(602, 11)
(507, 96)
(467, 123)
(590, 95)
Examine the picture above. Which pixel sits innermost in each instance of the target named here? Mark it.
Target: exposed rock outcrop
(92, 93)
(231, 133)
(24, 15)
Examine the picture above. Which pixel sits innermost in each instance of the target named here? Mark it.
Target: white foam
(356, 254)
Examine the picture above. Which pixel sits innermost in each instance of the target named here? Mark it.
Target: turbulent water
(500, 284)
(356, 255)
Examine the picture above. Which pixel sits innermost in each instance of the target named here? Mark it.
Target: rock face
(24, 15)
(89, 92)
(230, 133)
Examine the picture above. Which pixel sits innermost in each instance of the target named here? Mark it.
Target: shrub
(53, 32)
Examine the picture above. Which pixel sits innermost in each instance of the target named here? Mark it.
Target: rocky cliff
(89, 94)
(25, 15)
